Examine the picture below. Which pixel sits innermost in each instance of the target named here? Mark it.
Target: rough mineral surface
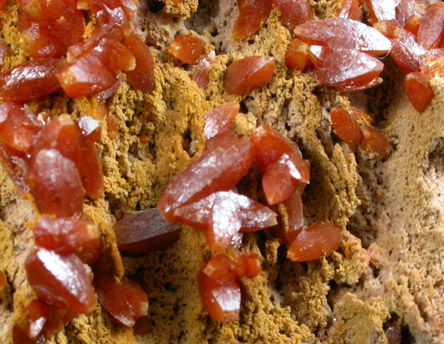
(390, 264)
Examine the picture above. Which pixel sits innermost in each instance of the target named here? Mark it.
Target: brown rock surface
(390, 264)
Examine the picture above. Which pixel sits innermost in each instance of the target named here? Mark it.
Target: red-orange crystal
(280, 179)
(349, 9)
(85, 76)
(29, 327)
(346, 127)
(405, 10)
(187, 48)
(254, 216)
(219, 119)
(272, 145)
(60, 281)
(219, 289)
(217, 169)
(3, 283)
(64, 235)
(200, 75)
(375, 141)
(431, 29)
(297, 55)
(31, 80)
(251, 15)
(18, 126)
(343, 33)
(247, 265)
(382, 9)
(295, 214)
(224, 223)
(406, 52)
(90, 168)
(55, 184)
(349, 70)
(91, 252)
(320, 239)
(294, 13)
(418, 90)
(126, 301)
(61, 134)
(143, 76)
(242, 76)
(145, 231)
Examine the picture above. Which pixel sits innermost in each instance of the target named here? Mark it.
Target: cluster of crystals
(354, 128)
(55, 159)
(241, 76)
(204, 196)
(54, 29)
(341, 51)
(417, 36)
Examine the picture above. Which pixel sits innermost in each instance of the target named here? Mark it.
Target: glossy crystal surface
(64, 235)
(143, 76)
(431, 29)
(348, 70)
(254, 216)
(55, 184)
(219, 289)
(251, 15)
(200, 75)
(418, 90)
(297, 55)
(346, 127)
(343, 33)
(375, 141)
(126, 301)
(18, 126)
(242, 76)
(219, 119)
(85, 76)
(272, 145)
(318, 240)
(145, 231)
(187, 48)
(406, 52)
(349, 9)
(294, 13)
(217, 169)
(60, 280)
(31, 80)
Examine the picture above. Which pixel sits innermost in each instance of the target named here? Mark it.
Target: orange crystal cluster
(204, 196)
(55, 159)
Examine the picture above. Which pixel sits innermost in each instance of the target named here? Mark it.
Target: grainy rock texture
(390, 264)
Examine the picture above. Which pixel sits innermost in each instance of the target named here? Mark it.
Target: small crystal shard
(143, 76)
(219, 289)
(126, 301)
(219, 120)
(318, 240)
